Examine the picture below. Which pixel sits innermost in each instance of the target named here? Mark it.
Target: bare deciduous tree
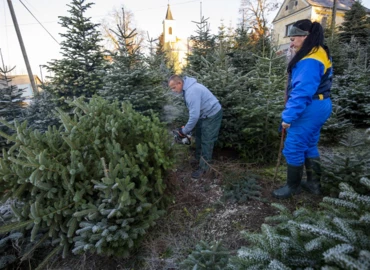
(254, 15)
(124, 21)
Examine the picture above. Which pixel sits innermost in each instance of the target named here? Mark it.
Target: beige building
(176, 48)
(314, 10)
(23, 82)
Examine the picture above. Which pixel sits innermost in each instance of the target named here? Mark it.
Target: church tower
(169, 27)
(175, 48)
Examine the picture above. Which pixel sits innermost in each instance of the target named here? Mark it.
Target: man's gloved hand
(181, 134)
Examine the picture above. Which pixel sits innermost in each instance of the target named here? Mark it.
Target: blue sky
(148, 15)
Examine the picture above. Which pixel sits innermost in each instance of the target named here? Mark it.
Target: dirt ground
(198, 212)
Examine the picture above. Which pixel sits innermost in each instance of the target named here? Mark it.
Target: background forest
(89, 167)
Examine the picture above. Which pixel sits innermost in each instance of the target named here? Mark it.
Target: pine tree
(95, 185)
(12, 104)
(355, 25)
(80, 71)
(129, 78)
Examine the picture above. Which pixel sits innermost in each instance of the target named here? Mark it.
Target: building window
(287, 28)
(170, 30)
(324, 21)
(286, 7)
(296, 3)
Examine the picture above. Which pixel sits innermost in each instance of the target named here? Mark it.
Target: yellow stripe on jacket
(321, 56)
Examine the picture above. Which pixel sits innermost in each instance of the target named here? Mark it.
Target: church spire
(169, 13)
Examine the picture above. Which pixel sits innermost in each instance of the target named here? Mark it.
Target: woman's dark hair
(311, 44)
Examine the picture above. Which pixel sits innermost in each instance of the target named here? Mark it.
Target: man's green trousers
(206, 130)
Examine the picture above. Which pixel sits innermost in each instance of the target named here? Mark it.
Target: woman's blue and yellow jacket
(311, 78)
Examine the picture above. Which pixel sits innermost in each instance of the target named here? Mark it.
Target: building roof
(23, 79)
(169, 13)
(341, 4)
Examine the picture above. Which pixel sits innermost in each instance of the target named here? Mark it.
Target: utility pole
(333, 16)
(201, 15)
(32, 79)
(42, 78)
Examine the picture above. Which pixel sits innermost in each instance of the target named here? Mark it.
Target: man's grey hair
(176, 78)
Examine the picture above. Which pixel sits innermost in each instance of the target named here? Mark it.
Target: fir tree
(337, 53)
(241, 52)
(263, 106)
(96, 184)
(241, 188)
(230, 87)
(129, 77)
(355, 25)
(158, 60)
(350, 90)
(8, 254)
(225, 38)
(203, 45)
(12, 104)
(40, 113)
(336, 237)
(207, 256)
(252, 103)
(80, 71)
(348, 166)
(336, 127)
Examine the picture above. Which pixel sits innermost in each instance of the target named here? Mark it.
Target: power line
(10, 25)
(98, 16)
(38, 21)
(193, 1)
(6, 33)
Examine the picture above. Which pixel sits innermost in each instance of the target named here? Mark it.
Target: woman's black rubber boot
(293, 185)
(313, 172)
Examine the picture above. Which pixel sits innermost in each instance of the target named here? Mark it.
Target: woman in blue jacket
(307, 108)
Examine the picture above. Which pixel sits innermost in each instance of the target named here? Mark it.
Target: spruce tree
(12, 104)
(80, 71)
(131, 79)
(355, 24)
